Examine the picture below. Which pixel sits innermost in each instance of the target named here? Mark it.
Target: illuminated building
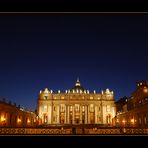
(133, 111)
(15, 116)
(76, 106)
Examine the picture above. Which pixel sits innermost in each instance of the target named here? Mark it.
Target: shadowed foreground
(73, 131)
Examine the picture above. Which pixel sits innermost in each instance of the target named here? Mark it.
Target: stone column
(73, 114)
(52, 109)
(67, 114)
(104, 114)
(96, 115)
(49, 114)
(58, 114)
(113, 111)
(88, 114)
(86, 110)
(80, 114)
(101, 112)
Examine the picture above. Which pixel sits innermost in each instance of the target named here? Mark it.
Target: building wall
(76, 107)
(134, 111)
(12, 116)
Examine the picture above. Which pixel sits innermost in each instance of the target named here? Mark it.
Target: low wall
(72, 131)
(33, 131)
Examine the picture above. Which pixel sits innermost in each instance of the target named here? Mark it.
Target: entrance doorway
(77, 118)
(62, 120)
(77, 121)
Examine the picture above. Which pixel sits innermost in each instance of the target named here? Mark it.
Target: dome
(77, 88)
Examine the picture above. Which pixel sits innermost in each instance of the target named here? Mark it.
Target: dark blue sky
(38, 51)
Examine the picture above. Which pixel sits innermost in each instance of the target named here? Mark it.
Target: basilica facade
(75, 106)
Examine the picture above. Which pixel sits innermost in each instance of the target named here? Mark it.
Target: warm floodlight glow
(18, 120)
(3, 119)
(78, 82)
(28, 121)
(123, 121)
(132, 121)
(145, 90)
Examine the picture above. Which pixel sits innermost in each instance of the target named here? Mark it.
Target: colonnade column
(67, 114)
(58, 114)
(73, 116)
(103, 113)
(49, 114)
(86, 114)
(80, 114)
(96, 115)
(88, 110)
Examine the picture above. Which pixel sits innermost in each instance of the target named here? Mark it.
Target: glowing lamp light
(132, 121)
(145, 90)
(18, 120)
(3, 119)
(28, 121)
(123, 121)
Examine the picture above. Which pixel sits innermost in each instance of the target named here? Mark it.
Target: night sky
(52, 50)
